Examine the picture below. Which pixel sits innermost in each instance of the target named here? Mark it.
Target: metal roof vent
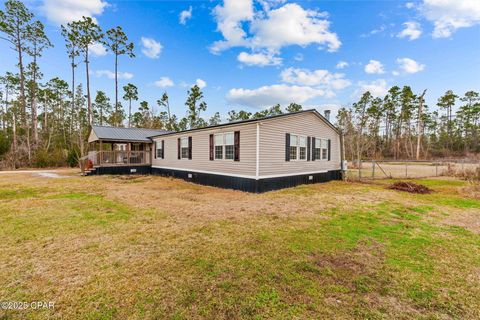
(327, 114)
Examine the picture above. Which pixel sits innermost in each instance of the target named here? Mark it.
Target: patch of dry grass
(144, 247)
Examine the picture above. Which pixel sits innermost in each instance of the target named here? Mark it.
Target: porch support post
(100, 152)
(128, 152)
(151, 151)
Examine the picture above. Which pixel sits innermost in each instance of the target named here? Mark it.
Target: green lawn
(151, 248)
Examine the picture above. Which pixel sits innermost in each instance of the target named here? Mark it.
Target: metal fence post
(436, 169)
(360, 170)
(406, 169)
(373, 169)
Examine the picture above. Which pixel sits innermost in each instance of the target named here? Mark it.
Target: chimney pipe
(327, 114)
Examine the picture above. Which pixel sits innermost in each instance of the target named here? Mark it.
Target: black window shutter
(236, 146)
(329, 144)
(287, 147)
(155, 151)
(313, 148)
(190, 148)
(163, 149)
(308, 148)
(178, 147)
(211, 147)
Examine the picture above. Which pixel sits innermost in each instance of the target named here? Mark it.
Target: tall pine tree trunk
(420, 125)
(34, 104)
(129, 113)
(90, 113)
(116, 87)
(14, 144)
(72, 115)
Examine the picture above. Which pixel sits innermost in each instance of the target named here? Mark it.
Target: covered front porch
(117, 149)
(119, 153)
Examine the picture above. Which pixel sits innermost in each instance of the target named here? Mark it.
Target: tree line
(45, 122)
(401, 126)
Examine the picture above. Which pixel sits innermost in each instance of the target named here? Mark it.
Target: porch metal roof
(125, 134)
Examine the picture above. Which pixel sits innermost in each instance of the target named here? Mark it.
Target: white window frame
(182, 139)
(298, 146)
(223, 145)
(318, 145)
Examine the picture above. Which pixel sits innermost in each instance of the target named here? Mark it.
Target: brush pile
(410, 187)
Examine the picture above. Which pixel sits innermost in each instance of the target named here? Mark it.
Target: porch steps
(91, 172)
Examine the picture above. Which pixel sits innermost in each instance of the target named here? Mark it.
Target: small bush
(72, 157)
(45, 158)
(467, 174)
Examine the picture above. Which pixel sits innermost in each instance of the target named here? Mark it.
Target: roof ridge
(152, 129)
(313, 110)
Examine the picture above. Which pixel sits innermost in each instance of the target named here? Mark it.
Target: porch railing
(119, 158)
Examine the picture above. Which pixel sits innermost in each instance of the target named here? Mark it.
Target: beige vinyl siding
(201, 152)
(272, 144)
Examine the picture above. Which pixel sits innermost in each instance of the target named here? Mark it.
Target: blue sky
(253, 54)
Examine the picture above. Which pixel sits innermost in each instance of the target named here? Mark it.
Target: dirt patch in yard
(472, 191)
(465, 218)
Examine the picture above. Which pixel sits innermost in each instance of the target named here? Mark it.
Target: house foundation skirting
(123, 170)
(228, 182)
(249, 184)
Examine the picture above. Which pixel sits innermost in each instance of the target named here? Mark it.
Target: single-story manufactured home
(254, 155)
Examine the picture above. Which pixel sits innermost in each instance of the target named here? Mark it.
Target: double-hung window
(224, 146)
(184, 147)
(302, 148)
(293, 147)
(321, 149)
(298, 147)
(159, 145)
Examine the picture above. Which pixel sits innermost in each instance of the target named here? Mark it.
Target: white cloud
(412, 30)
(374, 67)
(229, 18)
(151, 48)
(298, 85)
(377, 88)
(63, 11)
(271, 29)
(293, 25)
(97, 49)
(378, 30)
(409, 5)
(201, 83)
(409, 65)
(449, 15)
(111, 75)
(318, 78)
(164, 82)
(298, 57)
(341, 64)
(185, 15)
(268, 4)
(259, 59)
(270, 95)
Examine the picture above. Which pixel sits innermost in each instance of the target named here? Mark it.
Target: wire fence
(406, 169)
